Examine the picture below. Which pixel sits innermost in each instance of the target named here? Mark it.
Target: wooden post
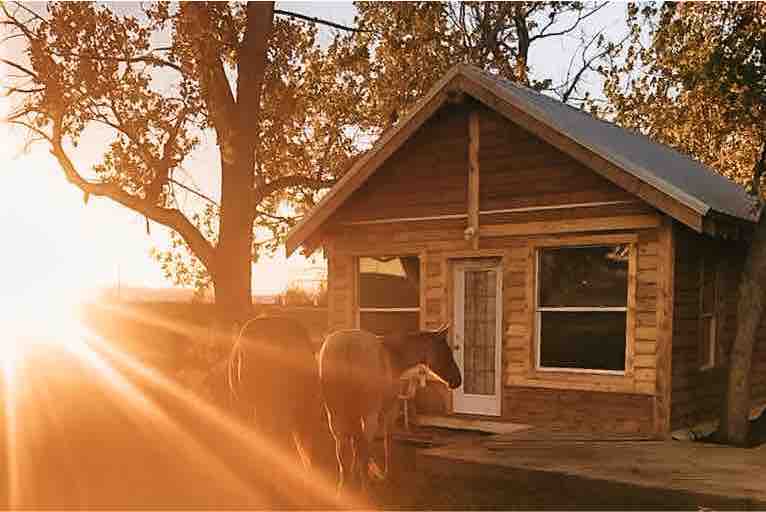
(473, 177)
(665, 300)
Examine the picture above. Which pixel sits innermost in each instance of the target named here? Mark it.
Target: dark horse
(273, 374)
(359, 375)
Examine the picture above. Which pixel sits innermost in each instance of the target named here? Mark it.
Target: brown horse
(359, 375)
(273, 375)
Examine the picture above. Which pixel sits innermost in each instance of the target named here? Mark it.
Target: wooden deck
(588, 471)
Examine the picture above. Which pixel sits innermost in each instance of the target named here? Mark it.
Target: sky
(52, 240)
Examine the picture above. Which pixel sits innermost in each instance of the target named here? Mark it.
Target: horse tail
(234, 365)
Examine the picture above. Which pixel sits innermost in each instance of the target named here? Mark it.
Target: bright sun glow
(41, 268)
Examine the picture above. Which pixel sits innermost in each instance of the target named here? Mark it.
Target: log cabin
(588, 273)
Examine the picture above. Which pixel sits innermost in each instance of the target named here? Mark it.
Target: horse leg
(389, 418)
(362, 461)
(371, 424)
(343, 450)
(308, 421)
(344, 454)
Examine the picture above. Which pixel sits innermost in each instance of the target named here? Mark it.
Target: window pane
(389, 282)
(584, 276)
(389, 322)
(480, 331)
(593, 341)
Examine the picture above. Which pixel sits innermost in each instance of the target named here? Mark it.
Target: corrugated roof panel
(690, 182)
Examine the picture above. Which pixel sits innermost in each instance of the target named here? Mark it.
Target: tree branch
(608, 51)
(277, 218)
(145, 59)
(173, 219)
(212, 76)
(290, 181)
(21, 68)
(580, 17)
(320, 21)
(165, 164)
(193, 191)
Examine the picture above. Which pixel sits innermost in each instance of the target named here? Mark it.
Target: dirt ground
(87, 431)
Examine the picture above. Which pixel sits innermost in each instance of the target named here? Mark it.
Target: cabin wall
(577, 402)
(552, 199)
(519, 170)
(425, 177)
(697, 393)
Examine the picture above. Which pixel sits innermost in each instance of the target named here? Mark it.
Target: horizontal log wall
(697, 394)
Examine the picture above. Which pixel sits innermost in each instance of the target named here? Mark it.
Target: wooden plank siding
(512, 158)
(697, 394)
(428, 176)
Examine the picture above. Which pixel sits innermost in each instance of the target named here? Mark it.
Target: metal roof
(680, 177)
(688, 181)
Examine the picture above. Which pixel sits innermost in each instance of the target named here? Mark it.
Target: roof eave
(372, 159)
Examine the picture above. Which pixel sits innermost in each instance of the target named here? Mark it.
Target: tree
(700, 86)
(408, 46)
(259, 85)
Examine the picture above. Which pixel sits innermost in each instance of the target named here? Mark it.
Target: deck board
(680, 472)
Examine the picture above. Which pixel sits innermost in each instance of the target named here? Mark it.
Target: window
(581, 308)
(708, 301)
(389, 294)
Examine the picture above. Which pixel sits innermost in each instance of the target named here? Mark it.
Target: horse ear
(442, 329)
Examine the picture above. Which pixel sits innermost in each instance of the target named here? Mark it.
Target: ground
(92, 429)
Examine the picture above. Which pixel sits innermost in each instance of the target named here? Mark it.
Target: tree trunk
(232, 287)
(750, 307)
(233, 262)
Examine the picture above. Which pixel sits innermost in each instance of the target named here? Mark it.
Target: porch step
(475, 424)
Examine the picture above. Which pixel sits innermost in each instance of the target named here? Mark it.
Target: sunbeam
(44, 370)
(137, 402)
(8, 359)
(282, 468)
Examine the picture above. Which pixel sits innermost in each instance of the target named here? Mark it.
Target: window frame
(360, 310)
(713, 259)
(628, 309)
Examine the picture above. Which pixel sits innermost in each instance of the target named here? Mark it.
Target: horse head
(440, 358)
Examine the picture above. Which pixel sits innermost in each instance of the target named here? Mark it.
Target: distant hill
(145, 294)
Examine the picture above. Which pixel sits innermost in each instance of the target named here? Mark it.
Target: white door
(477, 335)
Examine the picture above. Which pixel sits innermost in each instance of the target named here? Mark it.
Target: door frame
(482, 405)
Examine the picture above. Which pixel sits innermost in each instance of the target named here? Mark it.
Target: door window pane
(480, 331)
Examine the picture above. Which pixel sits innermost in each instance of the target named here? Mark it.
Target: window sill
(582, 382)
